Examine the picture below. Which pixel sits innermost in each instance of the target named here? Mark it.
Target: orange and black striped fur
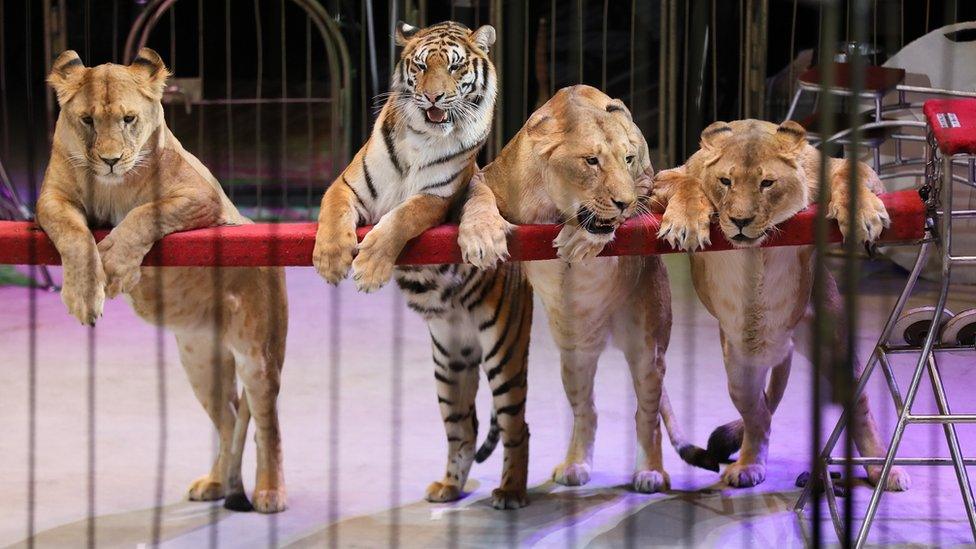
(406, 178)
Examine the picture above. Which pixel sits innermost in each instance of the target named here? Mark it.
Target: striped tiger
(406, 178)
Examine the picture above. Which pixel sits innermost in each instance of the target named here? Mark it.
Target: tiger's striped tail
(691, 454)
(491, 440)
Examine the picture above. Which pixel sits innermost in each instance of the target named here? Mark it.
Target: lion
(753, 175)
(114, 162)
(580, 160)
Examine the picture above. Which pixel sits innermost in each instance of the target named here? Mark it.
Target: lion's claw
(574, 244)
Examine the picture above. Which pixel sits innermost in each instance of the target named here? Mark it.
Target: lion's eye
(725, 181)
(87, 120)
(767, 183)
(128, 119)
(630, 159)
(592, 160)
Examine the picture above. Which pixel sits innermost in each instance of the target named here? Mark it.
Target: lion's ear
(616, 105)
(149, 65)
(791, 137)
(484, 37)
(714, 135)
(404, 32)
(65, 77)
(540, 128)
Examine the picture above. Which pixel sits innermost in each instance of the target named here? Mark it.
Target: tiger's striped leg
(578, 370)
(505, 322)
(456, 354)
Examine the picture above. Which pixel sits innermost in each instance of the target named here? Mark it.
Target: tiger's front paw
(333, 254)
(574, 244)
(502, 498)
(373, 266)
(871, 218)
(482, 239)
(685, 228)
(121, 261)
(83, 290)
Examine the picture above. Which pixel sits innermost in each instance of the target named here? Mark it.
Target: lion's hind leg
(210, 371)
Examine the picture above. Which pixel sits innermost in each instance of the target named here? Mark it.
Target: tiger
(410, 175)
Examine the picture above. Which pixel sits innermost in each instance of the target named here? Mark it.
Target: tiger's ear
(484, 37)
(152, 72)
(715, 135)
(791, 137)
(66, 75)
(404, 32)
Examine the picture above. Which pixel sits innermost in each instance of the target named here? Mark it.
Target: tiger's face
(111, 111)
(444, 76)
(752, 177)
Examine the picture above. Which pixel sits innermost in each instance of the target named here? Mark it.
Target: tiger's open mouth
(436, 115)
(593, 224)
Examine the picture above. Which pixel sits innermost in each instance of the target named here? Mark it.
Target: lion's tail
(237, 501)
(690, 453)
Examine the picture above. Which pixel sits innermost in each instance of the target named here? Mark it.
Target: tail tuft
(491, 440)
(238, 502)
(699, 457)
(725, 440)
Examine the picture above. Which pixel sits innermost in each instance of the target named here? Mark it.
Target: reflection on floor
(363, 438)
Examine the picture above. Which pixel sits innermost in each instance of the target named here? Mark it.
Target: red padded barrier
(290, 244)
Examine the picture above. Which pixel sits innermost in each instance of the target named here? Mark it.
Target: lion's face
(594, 154)
(752, 177)
(109, 112)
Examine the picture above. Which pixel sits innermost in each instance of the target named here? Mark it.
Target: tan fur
(542, 176)
(155, 188)
(760, 295)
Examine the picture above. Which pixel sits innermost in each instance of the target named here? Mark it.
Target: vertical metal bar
(714, 61)
(283, 137)
(309, 135)
(4, 110)
(603, 49)
(396, 421)
(228, 108)
(115, 31)
(822, 326)
(552, 48)
(663, 82)
(258, 141)
(792, 52)
(32, 294)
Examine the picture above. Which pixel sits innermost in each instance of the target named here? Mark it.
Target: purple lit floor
(357, 477)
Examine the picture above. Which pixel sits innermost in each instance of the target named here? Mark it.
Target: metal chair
(951, 133)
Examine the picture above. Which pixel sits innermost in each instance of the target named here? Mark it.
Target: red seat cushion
(877, 80)
(953, 122)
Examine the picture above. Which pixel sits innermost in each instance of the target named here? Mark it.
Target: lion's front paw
(508, 499)
(333, 255)
(685, 228)
(650, 482)
(205, 488)
(571, 474)
(574, 244)
(83, 290)
(483, 240)
(121, 262)
(373, 266)
(744, 475)
(898, 479)
(270, 500)
(439, 492)
(870, 220)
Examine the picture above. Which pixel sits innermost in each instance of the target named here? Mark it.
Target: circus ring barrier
(291, 244)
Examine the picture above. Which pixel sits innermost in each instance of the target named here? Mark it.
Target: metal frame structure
(340, 88)
(937, 192)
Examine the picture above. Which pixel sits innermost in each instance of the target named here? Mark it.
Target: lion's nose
(741, 222)
(110, 161)
(622, 205)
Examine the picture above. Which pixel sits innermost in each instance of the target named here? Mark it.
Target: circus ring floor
(357, 478)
